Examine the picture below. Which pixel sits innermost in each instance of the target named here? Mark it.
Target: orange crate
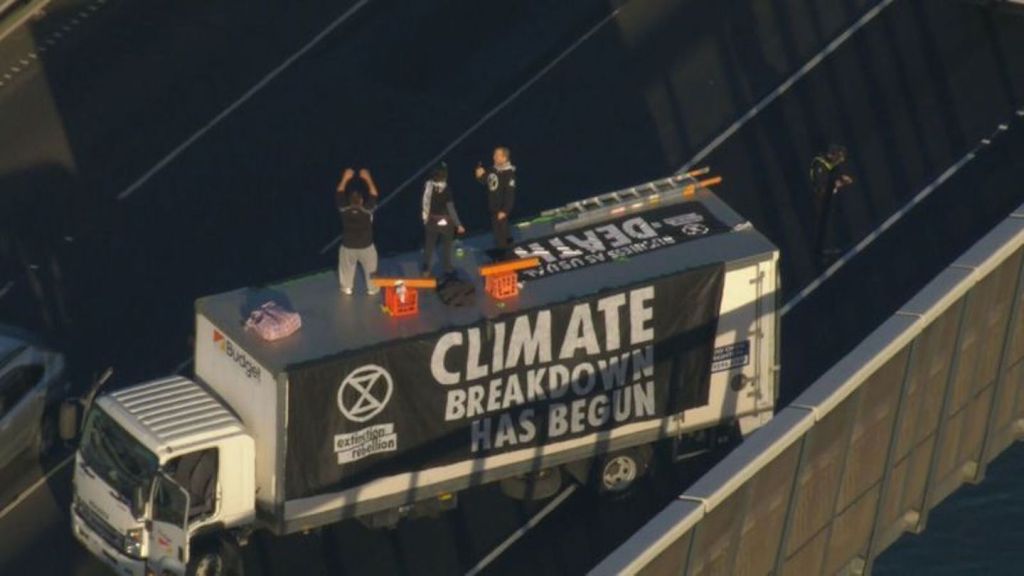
(502, 286)
(401, 300)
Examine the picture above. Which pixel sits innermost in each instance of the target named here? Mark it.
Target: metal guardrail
(916, 410)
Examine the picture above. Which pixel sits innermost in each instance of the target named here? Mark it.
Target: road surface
(167, 151)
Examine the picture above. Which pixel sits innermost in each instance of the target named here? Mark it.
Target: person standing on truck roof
(500, 181)
(827, 178)
(357, 247)
(439, 219)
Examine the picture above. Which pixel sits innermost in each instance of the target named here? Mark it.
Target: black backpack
(454, 291)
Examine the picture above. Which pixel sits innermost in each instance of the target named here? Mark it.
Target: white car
(32, 386)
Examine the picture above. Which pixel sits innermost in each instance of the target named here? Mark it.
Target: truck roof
(171, 414)
(334, 324)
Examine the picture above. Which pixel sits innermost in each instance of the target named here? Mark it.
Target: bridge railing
(916, 410)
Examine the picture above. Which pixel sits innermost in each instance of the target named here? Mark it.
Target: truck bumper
(112, 557)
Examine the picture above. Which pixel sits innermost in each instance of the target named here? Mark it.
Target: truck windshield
(115, 455)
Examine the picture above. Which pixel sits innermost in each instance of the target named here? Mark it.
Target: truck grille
(100, 526)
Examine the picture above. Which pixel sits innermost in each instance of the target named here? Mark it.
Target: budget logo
(236, 355)
(364, 393)
(219, 340)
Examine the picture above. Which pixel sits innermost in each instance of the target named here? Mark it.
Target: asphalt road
(390, 87)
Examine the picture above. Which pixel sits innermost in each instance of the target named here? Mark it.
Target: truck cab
(159, 466)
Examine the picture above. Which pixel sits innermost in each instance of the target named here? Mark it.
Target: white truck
(651, 318)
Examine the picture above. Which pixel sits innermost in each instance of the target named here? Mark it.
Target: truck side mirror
(68, 420)
(139, 501)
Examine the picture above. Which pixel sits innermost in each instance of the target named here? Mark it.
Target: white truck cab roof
(171, 415)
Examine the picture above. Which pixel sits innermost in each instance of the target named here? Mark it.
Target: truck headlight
(133, 542)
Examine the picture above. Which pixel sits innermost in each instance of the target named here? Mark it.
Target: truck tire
(617, 472)
(208, 563)
(218, 558)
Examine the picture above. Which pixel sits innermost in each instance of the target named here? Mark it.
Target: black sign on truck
(624, 237)
(529, 378)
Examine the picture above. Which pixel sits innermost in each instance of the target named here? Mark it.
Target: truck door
(197, 473)
(168, 538)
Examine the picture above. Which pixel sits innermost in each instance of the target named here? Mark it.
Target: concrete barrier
(916, 410)
(14, 14)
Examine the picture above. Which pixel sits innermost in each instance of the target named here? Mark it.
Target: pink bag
(272, 322)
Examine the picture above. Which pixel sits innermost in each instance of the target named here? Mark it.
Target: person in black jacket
(356, 231)
(500, 182)
(439, 219)
(828, 177)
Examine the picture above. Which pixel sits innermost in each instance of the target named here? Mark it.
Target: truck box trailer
(652, 316)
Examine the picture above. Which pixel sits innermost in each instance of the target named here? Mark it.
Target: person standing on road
(500, 181)
(357, 246)
(439, 219)
(827, 178)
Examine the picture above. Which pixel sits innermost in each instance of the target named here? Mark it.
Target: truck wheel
(208, 564)
(220, 558)
(619, 471)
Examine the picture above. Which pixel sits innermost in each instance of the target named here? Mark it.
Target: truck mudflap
(698, 442)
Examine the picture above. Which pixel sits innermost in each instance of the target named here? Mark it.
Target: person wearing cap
(827, 176)
(500, 181)
(440, 219)
(357, 247)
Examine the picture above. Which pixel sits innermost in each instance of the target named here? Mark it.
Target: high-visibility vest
(820, 159)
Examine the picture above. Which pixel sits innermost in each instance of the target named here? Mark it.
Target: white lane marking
(785, 86)
(490, 114)
(7, 288)
(28, 492)
(890, 222)
(240, 101)
(521, 531)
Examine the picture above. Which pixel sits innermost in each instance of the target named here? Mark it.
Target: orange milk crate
(502, 286)
(401, 295)
(501, 280)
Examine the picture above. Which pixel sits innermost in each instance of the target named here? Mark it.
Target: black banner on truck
(524, 379)
(623, 238)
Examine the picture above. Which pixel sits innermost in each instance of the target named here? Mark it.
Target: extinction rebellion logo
(244, 362)
(362, 395)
